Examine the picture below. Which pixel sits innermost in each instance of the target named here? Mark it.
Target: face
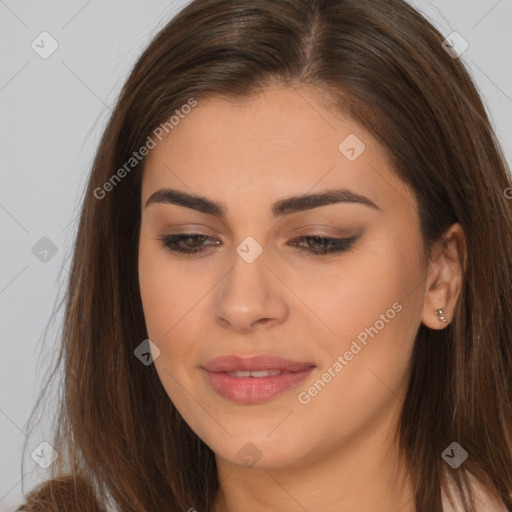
(286, 332)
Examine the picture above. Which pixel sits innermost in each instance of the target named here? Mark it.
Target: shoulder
(483, 498)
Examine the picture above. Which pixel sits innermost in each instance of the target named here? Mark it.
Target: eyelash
(344, 244)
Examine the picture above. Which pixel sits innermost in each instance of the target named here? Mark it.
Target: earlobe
(436, 312)
(444, 279)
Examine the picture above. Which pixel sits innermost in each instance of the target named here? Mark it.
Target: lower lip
(254, 390)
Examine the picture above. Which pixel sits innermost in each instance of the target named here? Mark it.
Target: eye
(325, 245)
(316, 245)
(195, 239)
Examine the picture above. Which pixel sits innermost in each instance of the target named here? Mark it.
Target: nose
(250, 296)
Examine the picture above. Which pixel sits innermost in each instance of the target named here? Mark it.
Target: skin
(337, 451)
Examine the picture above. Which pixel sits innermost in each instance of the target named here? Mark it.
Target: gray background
(52, 113)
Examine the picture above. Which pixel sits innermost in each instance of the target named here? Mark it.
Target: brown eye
(319, 245)
(193, 243)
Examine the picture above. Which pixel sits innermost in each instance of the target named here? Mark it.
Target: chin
(260, 450)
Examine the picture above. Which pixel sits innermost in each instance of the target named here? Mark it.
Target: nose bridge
(249, 293)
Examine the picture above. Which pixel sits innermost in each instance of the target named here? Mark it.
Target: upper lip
(233, 363)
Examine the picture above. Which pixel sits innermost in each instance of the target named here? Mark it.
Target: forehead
(278, 143)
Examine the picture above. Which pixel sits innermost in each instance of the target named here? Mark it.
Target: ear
(444, 281)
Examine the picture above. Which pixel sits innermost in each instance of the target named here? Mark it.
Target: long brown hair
(119, 438)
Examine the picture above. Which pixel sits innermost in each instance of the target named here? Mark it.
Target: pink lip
(254, 390)
(264, 362)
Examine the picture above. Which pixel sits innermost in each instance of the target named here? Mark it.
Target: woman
(290, 286)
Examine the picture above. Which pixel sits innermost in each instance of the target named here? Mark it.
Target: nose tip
(249, 297)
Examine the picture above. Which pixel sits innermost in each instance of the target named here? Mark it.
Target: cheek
(169, 314)
(372, 312)
(351, 297)
(172, 301)
(164, 292)
(158, 300)
(162, 304)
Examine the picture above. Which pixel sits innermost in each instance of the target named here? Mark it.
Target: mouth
(254, 380)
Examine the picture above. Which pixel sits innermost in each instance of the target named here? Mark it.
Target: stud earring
(440, 314)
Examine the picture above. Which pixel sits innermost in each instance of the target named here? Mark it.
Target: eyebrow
(279, 208)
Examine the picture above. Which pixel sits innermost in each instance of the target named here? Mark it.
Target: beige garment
(482, 498)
